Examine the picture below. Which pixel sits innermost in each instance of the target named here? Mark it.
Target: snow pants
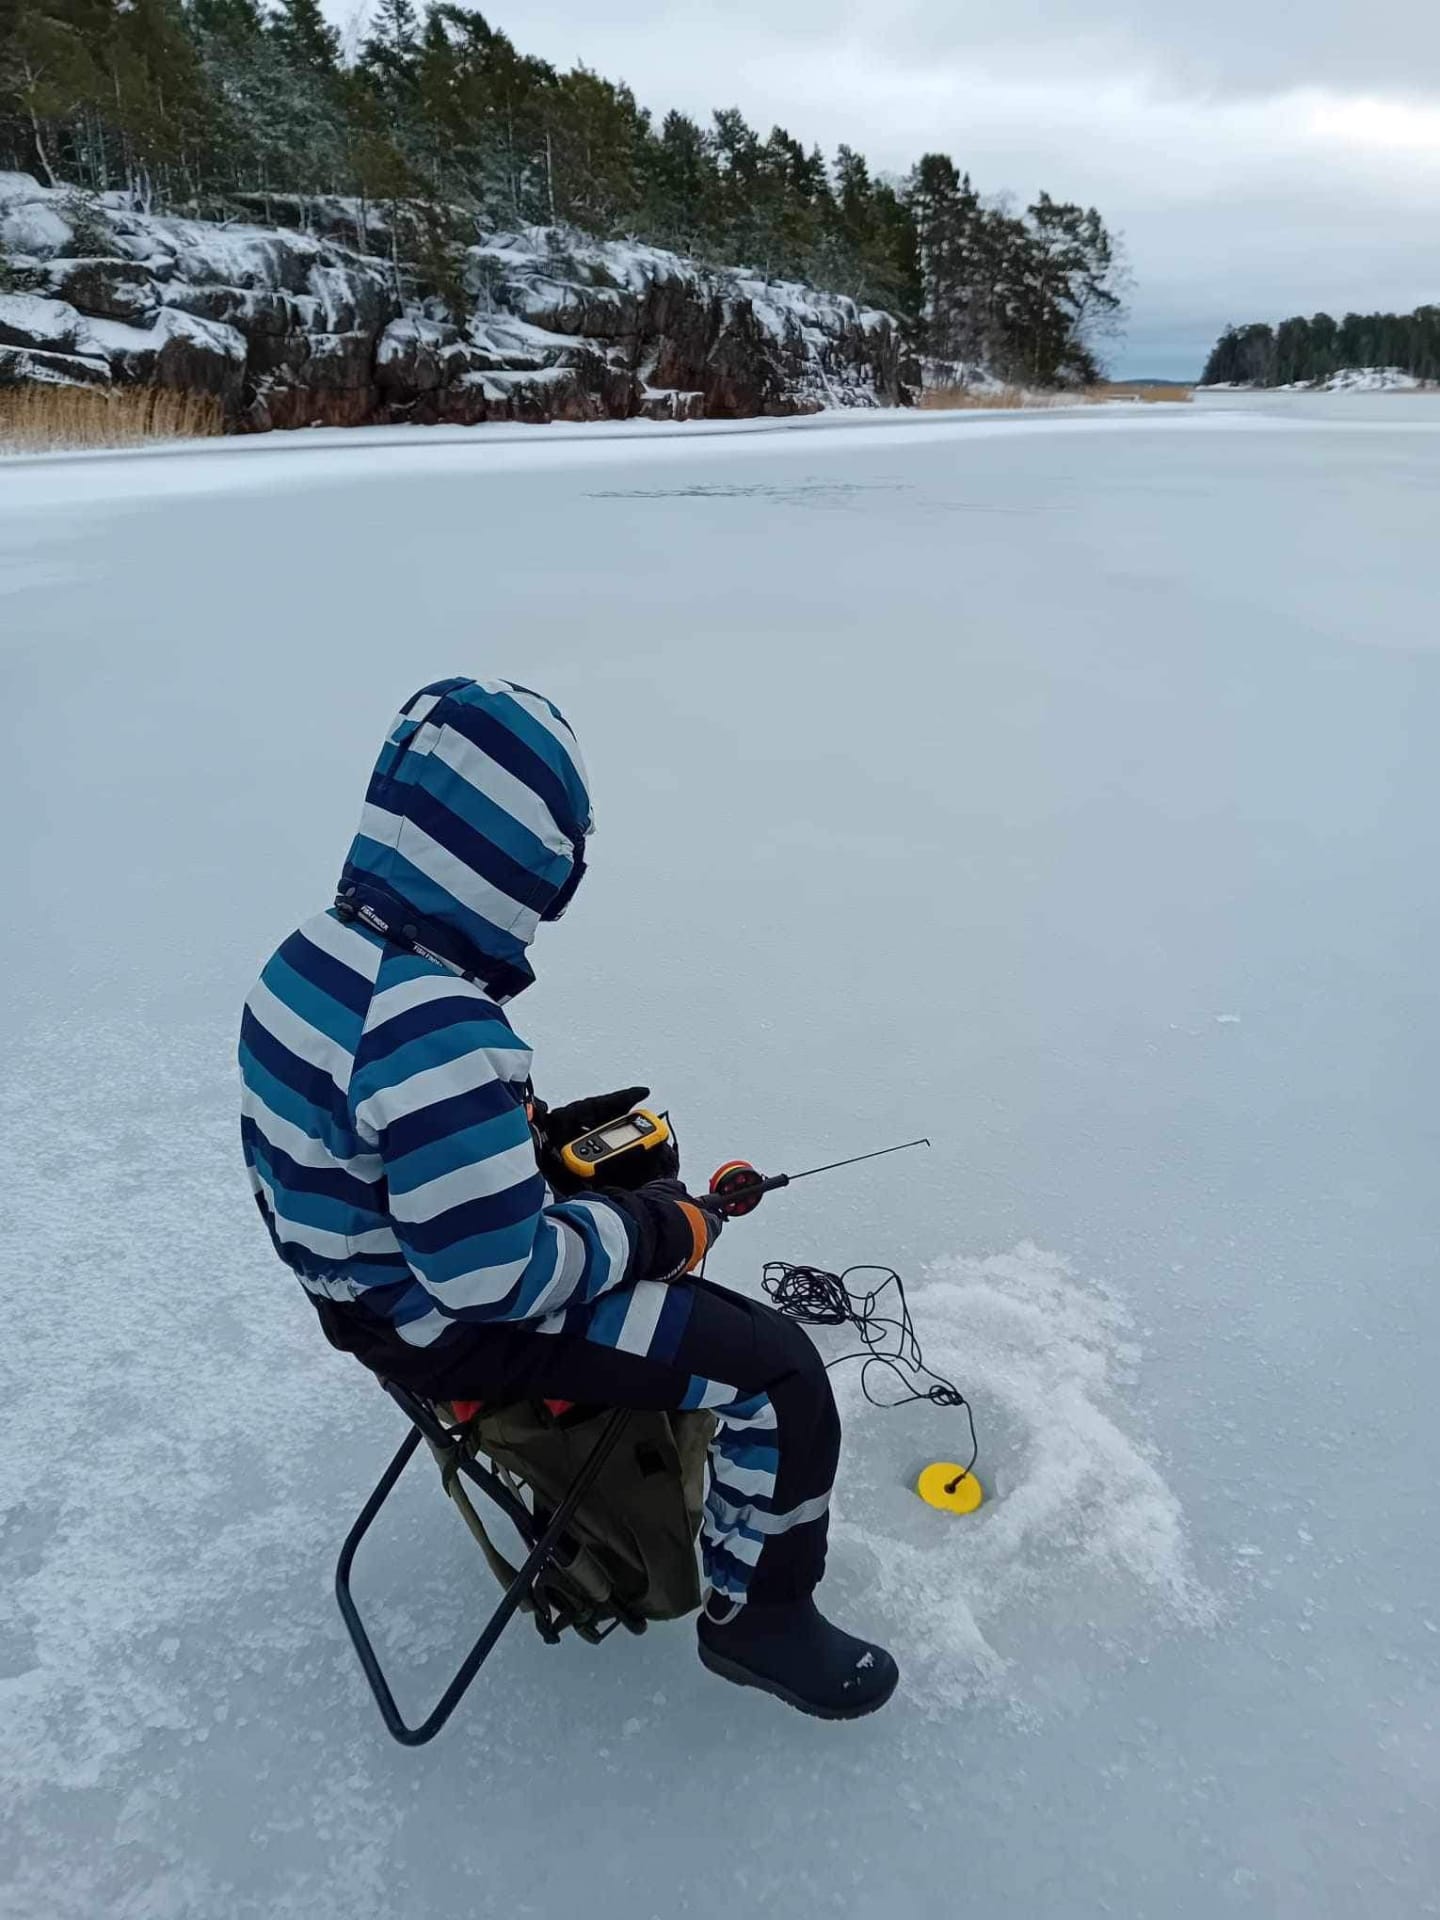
(777, 1438)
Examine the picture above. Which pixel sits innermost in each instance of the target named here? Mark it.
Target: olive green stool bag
(629, 1551)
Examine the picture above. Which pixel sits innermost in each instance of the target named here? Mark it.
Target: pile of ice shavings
(1079, 1539)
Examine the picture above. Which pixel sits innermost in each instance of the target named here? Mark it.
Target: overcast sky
(1259, 157)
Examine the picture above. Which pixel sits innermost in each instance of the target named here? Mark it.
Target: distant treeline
(1300, 349)
(186, 102)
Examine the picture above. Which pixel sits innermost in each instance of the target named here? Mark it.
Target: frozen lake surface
(1065, 787)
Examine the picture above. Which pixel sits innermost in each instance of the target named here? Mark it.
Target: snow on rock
(115, 289)
(47, 343)
(748, 344)
(420, 355)
(280, 325)
(1345, 380)
(292, 325)
(31, 221)
(1368, 380)
(27, 320)
(178, 350)
(36, 366)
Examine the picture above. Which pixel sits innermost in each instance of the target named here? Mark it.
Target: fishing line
(888, 1339)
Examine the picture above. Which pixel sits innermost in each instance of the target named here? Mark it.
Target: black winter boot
(793, 1652)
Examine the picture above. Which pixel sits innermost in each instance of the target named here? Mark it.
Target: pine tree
(946, 211)
(1292, 352)
(307, 38)
(52, 81)
(593, 134)
(1242, 356)
(1072, 297)
(392, 46)
(741, 220)
(677, 185)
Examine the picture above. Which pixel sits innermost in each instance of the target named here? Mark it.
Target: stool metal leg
(515, 1593)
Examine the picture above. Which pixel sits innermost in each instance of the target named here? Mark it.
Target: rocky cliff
(300, 314)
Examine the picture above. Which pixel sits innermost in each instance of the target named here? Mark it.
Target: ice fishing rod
(889, 1347)
(737, 1188)
(888, 1343)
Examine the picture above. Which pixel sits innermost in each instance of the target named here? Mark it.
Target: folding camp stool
(547, 1545)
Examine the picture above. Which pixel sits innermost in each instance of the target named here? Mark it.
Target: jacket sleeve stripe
(279, 1097)
(404, 992)
(410, 1133)
(331, 1181)
(441, 1254)
(314, 1235)
(487, 1290)
(451, 1199)
(298, 1035)
(439, 1047)
(443, 1029)
(607, 1243)
(309, 1086)
(463, 1193)
(470, 1074)
(322, 972)
(439, 1157)
(319, 1009)
(304, 1148)
(359, 951)
(543, 1292)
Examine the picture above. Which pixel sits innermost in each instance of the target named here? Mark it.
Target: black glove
(556, 1127)
(681, 1231)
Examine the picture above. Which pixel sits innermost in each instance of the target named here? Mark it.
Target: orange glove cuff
(700, 1229)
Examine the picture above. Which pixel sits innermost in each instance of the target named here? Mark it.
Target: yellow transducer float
(950, 1488)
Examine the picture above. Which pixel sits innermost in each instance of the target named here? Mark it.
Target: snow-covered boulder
(1370, 380)
(177, 350)
(36, 366)
(1344, 380)
(32, 224)
(27, 320)
(418, 356)
(110, 289)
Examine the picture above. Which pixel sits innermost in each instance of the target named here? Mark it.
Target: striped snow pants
(777, 1442)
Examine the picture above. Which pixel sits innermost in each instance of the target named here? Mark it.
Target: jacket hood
(475, 820)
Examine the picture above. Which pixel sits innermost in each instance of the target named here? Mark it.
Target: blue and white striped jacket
(383, 1114)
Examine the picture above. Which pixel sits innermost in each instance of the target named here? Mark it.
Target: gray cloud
(1229, 46)
(1234, 46)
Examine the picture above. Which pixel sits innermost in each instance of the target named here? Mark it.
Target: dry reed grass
(988, 399)
(1121, 390)
(1002, 399)
(44, 418)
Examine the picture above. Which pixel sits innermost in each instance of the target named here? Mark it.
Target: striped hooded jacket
(384, 1090)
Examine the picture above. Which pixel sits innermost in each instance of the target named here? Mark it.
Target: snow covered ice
(1064, 787)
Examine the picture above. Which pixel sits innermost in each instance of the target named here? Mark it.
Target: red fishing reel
(739, 1186)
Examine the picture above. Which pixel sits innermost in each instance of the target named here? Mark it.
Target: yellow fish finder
(589, 1156)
